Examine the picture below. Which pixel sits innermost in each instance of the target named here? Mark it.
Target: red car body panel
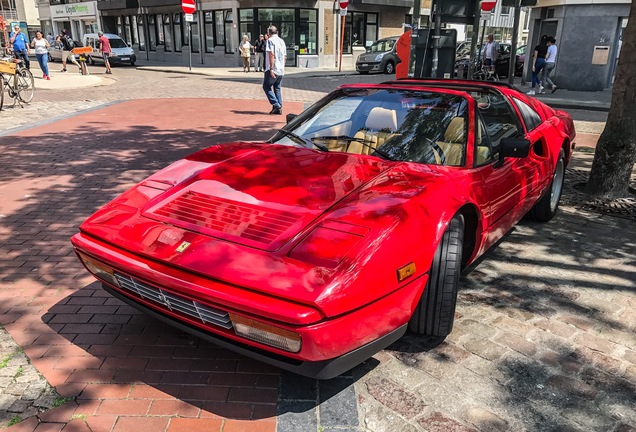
(310, 241)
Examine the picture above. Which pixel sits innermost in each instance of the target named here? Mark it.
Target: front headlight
(266, 333)
(99, 269)
(379, 57)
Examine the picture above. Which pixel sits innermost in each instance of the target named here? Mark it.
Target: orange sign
(82, 50)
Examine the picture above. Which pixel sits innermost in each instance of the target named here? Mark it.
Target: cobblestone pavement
(544, 337)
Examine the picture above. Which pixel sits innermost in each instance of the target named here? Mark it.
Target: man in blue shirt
(20, 46)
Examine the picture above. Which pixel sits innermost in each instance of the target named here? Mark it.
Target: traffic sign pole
(189, 7)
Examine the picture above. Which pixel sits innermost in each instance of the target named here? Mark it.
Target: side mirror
(513, 147)
(290, 117)
(368, 49)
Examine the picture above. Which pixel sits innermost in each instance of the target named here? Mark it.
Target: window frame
(530, 111)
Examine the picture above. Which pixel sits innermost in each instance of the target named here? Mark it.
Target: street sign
(188, 6)
(189, 17)
(488, 5)
(343, 7)
(485, 15)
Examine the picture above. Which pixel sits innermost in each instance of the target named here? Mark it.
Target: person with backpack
(67, 45)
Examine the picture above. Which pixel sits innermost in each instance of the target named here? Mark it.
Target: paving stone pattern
(544, 336)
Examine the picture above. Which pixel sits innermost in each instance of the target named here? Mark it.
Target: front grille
(175, 303)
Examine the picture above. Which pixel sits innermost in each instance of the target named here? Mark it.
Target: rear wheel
(547, 206)
(435, 313)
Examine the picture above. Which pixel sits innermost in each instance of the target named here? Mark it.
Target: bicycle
(21, 88)
(485, 73)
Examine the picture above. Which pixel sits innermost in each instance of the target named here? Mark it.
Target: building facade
(588, 36)
(158, 29)
(77, 18)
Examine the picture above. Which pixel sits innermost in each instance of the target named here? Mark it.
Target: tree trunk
(616, 149)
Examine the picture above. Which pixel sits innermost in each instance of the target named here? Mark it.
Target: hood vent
(196, 210)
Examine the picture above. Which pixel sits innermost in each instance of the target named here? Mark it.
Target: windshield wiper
(302, 140)
(364, 142)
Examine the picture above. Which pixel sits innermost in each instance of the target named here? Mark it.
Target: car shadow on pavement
(127, 355)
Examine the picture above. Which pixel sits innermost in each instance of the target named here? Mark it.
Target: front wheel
(435, 312)
(389, 68)
(547, 206)
(26, 85)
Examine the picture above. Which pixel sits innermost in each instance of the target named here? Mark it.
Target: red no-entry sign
(488, 5)
(188, 6)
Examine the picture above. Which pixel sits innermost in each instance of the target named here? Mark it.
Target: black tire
(132, 63)
(435, 312)
(545, 209)
(389, 68)
(90, 61)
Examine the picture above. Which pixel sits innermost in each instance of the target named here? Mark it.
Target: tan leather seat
(380, 126)
(454, 144)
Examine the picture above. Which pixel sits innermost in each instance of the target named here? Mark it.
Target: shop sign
(73, 9)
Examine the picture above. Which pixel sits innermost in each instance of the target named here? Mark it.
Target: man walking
(259, 50)
(548, 67)
(104, 48)
(20, 46)
(67, 50)
(275, 55)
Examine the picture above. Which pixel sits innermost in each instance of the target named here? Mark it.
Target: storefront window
(208, 29)
(160, 36)
(127, 34)
(140, 27)
(219, 29)
(152, 33)
(228, 22)
(273, 16)
(178, 42)
(167, 33)
(247, 25)
(196, 40)
(361, 29)
(308, 31)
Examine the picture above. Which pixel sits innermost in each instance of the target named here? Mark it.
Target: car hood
(255, 195)
(123, 51)
(236, 212)
(370, 57)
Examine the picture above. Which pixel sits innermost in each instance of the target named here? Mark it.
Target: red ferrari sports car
(350, 226)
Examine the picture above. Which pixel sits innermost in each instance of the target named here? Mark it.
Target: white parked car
(122, 52)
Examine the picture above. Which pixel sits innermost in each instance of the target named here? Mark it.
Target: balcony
(9, 15)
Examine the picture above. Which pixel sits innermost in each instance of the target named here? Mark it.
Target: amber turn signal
(406, 271)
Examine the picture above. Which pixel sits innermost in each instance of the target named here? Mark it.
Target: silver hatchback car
(380, 57)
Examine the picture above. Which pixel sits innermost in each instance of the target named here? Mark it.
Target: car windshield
(395, 124)
(117, 43)
(382, 46)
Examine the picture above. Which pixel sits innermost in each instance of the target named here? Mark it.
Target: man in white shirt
(275, 55)
(550, 64)
(491, 51)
